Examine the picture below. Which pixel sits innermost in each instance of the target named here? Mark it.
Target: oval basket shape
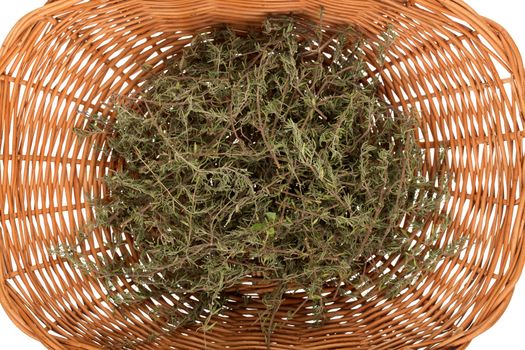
(459, 70)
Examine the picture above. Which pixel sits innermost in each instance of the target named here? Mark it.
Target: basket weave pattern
(461, 71)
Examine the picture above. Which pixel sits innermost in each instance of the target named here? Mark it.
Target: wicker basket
(460, 70)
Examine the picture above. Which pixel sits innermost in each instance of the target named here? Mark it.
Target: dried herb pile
(267, 154)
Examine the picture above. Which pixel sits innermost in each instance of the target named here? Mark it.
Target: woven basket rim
(461, 70)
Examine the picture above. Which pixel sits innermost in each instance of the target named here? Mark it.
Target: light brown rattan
(460, 70)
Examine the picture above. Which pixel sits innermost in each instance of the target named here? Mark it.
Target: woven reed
(460, 70)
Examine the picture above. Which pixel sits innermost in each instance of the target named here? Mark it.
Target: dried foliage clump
(266, 154)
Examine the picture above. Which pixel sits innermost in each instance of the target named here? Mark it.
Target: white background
(509, 331)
